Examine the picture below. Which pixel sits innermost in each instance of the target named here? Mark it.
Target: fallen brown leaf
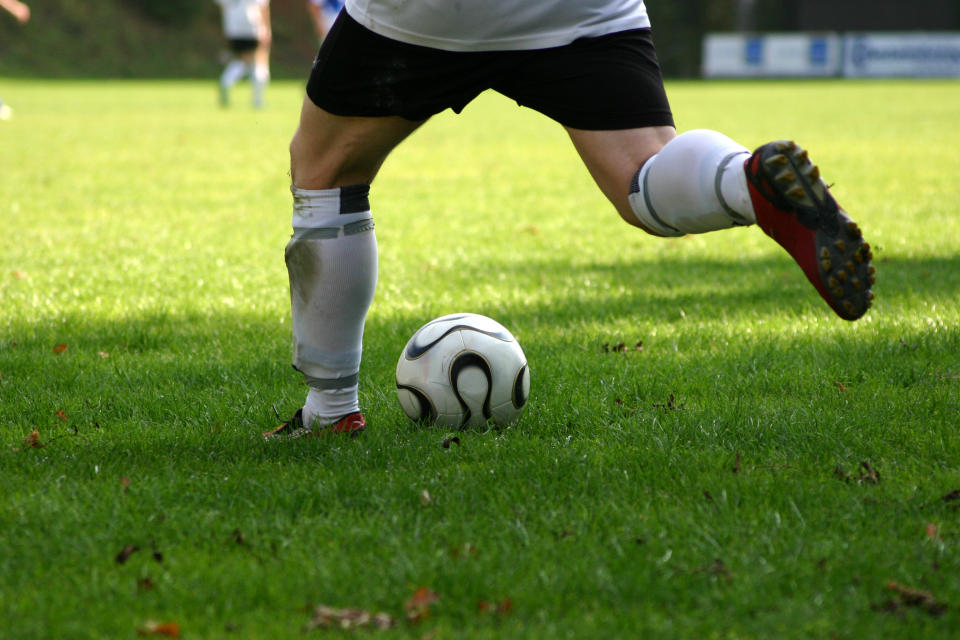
(418, 606)
(151, 628)
(32, 441)
(126, 552)
(952, 496)
(60, 348)
(931, 531)
(868, 474)
(62, 415)
(909, 597)
(502, 608)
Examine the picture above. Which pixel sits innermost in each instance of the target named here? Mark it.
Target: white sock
(695, 184)
(232, 73)
(260, 79)
(332, 265)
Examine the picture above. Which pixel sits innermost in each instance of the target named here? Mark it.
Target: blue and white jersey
(496, 25)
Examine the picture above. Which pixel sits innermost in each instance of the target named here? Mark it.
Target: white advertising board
(772, 55)
(853, 55)
(919, 54)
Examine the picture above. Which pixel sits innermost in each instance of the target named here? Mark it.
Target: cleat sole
(794, 207)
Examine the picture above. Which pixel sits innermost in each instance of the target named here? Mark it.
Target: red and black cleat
(794, 207)
(351, 424)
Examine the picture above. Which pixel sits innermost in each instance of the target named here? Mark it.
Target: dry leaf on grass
(418, 606)
(151, 628)
(32, 441)
(126, 552)
(910, 597)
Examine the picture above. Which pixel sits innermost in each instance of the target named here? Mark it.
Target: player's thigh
(613, 157)
(329, 151)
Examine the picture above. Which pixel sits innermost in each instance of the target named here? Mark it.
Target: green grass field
(759, 469)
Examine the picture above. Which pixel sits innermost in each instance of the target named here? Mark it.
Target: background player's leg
(260, 76)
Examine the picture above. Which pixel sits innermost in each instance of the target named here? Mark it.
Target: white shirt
(496, 25)
(243, 18)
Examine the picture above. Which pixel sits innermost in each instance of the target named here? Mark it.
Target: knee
(311, 167)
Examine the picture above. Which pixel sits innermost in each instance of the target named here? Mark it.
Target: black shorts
(603, 83)
(243, 45)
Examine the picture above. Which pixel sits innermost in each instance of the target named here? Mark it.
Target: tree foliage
(172, 12)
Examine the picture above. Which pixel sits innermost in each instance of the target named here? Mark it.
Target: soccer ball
(463, 370)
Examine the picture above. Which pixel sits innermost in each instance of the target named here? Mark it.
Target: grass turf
(758, 468)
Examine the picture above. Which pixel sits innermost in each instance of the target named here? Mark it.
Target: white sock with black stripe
(332, 265)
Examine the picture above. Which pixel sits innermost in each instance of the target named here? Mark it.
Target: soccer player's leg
(703, 181)
(332, 260)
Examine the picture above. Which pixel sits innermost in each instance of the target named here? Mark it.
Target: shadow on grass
(174, 371)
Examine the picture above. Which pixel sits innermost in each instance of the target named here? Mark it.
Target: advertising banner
(853, 55)
(902, 54)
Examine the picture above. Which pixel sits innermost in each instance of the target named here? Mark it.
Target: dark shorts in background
(603, 83)
(243, 45)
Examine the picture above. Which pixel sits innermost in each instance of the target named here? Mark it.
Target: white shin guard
(695, 184)
(332, 265)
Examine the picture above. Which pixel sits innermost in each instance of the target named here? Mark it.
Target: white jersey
(496, 25)
(243, 19)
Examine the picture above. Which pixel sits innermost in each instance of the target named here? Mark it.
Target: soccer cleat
(351, 424)
(794, 207)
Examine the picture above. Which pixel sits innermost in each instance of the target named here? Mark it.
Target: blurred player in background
(246, 26)
(21, 12)
(590, 65)
(323, 13)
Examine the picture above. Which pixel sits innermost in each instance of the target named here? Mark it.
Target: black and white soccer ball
(463, 370)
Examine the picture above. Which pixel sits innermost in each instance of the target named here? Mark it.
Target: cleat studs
(786, 177)
(803, 156)
(837, 292)
(826, 264)
(850, 266)
(858, 257)
(871, 270)
(853, 230)
(842, 275)
(814, 174)
(796, 193)
(848, 306)
(857, 284)
(840, 245)
(824, 253)
(778, 160)
(869, 296)
(872, 279)
(865, 247)
(832, 282)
